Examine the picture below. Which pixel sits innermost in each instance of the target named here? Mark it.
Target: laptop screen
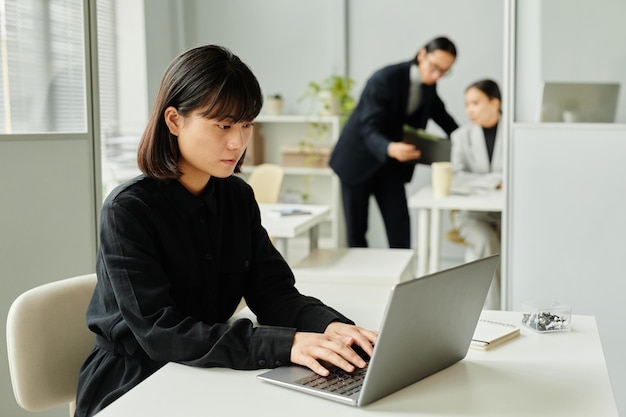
(572, 102)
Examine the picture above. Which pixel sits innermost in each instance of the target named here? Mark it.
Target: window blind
(42, 66)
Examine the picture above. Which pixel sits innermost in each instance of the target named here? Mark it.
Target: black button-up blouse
(172, 268)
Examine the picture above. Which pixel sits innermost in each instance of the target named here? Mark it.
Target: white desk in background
(330, 274)
(557, 374)
(282, 228)
(429, 220)
(383, 266)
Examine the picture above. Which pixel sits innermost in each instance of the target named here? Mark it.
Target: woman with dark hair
(182, 244)
(477, 150)
(370, 156)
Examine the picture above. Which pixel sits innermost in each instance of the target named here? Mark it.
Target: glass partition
(42, 66)
(578, 43)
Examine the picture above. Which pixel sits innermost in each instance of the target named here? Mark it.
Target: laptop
(427, 326)
(433, 148)
(578, 102)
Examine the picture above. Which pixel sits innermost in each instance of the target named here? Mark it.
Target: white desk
(357, 265)
(286, 227)
(558, 374)
(329, 274)
(429, 220)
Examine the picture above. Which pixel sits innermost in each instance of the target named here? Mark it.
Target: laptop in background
(427, 326)
(574, 102)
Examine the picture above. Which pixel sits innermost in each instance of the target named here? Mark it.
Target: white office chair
(454, 236)
(47, 342)
(266, 180)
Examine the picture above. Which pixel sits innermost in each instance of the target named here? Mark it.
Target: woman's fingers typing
(319, 351)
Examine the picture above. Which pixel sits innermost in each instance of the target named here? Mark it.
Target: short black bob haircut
(209, 77)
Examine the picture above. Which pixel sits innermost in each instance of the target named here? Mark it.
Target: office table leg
(314, 234)
(423, 229)
(281, 244)
(435, 240)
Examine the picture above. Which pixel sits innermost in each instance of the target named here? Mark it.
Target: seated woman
(182, 244)
(477, 149)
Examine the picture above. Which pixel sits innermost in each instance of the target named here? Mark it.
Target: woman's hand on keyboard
(333, 347)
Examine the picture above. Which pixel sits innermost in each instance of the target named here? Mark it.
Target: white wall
(286, 43)
(567, 227)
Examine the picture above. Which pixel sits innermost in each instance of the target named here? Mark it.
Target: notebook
(490, 334)
(427, 326)
(432, 148)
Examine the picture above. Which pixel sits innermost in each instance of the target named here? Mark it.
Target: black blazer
(378, 119)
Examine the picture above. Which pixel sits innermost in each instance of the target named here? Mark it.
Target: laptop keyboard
(338, 382)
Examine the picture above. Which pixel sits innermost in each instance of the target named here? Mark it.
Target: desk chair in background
(47, 342)
(454, 236)
(266, 180)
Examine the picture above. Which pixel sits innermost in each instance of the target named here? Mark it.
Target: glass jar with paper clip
(546, 316)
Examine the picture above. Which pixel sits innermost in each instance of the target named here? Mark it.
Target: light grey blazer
(469, 152)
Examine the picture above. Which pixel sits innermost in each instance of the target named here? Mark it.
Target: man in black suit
(370, 157)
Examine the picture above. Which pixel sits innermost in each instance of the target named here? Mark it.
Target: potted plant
(333, 98)
(333, 95)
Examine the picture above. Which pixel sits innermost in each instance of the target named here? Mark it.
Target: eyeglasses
(436, 69)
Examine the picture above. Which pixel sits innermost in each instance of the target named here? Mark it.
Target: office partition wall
(566, 225)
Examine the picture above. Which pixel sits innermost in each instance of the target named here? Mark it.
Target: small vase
(274, 106)
(329, 104)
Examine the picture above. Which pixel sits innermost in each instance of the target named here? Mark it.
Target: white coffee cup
(441, 174)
